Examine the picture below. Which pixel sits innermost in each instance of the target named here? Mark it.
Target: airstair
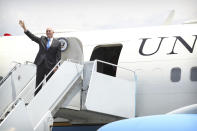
(79, 85)
(16, 84)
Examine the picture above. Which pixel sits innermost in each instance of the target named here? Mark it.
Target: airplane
(175, 122)
(161, 61)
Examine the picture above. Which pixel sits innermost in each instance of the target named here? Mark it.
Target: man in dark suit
(48, 55)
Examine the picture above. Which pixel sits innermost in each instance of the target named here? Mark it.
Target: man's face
(49, 32)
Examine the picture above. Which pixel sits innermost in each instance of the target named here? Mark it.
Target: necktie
(48, 44)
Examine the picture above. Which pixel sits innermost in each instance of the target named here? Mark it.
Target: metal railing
(18, 97)
(43, 81)
(10, 72)
(70, 84)
(12, 104)
(113, 65)
(95, 67)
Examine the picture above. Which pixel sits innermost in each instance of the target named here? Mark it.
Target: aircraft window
(193, 76)
(175, 74)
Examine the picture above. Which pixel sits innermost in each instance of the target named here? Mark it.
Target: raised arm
(22, 24)
(28, 33)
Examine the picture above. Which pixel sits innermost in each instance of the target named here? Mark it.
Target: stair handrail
(57, 65)
(13, 103)
(10, 72)
(112, 65)
(72, 81)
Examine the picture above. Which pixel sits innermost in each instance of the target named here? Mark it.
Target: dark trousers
(42, 70)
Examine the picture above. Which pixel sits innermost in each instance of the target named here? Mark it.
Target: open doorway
(108, 53)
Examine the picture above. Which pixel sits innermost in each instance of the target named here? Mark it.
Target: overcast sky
(91, 14)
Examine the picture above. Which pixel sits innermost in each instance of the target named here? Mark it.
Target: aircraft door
(108, 53)
(71, 48)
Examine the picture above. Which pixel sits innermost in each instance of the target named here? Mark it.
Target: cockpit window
(193, 73)
(175, 74)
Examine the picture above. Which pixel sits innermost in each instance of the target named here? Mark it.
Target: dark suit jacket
(51, 56)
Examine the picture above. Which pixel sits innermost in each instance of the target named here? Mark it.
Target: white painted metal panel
(74, 103)
(51, 93)
(17, 119)
(22, 76)
(5, 95)
(15, 83)
(111, 95)
(27, 95)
